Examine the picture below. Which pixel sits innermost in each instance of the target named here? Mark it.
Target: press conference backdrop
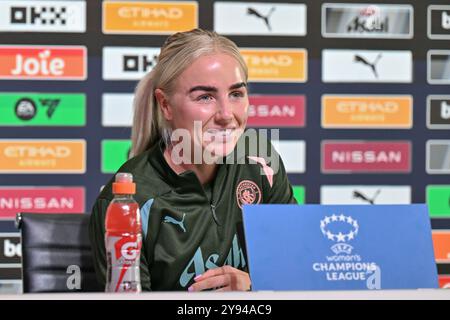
(359, 91)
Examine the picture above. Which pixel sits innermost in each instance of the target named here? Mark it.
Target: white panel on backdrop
(363, 194)
(367, 66)
(117, 109)
(293, 154)
(128, 63)
(253, 18)
(42, 16)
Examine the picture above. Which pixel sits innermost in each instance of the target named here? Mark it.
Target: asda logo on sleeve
(114, 154)
(42, 109)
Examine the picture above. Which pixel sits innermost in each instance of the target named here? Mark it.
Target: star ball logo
(341, 238)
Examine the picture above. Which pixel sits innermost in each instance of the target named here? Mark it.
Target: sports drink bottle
(123, 237)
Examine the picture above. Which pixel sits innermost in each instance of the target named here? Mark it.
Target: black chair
(56, 253)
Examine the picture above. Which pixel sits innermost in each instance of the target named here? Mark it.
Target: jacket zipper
(213, 210)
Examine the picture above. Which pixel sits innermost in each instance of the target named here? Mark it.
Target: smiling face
(211, 92)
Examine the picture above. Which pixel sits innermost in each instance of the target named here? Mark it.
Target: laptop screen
(339, 247)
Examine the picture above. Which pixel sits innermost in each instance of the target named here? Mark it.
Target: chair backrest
(56, 253)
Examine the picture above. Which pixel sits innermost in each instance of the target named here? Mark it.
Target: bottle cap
(124, 184)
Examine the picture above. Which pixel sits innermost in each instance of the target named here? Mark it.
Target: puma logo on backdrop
(169, 219)
(359, 195)
(265, 18)
(372, 65)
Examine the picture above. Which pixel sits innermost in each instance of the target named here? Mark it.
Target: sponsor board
(438, 200)
(364, 194)
(43, 16)
(27, 62)
(117, 109)
(367, 111)
(276, 65)
(438, 22)
(276, 111)
(10, 248)
(128, 63)
(42, 109)
(15, 199)
(441, 243)
(149, 17)
(371, 66)
(256, 18)
(444, 281)
(438, 112)
(293, 154)
(438, 66)
(438, 157)
(10, 273)
(352, 156)
(25, 156)
(114, 154)
(388, 21)
(299, 194)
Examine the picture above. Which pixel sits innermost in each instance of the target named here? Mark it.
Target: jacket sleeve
(281, 189)
(97, 239)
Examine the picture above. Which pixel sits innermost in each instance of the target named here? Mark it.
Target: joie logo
(43, 16)
(344, 20)
(128, 63)
(257, 18)
(43, 63)
(439, 22)
(438, 112)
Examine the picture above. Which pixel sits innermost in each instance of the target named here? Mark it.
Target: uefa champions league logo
(349, 227)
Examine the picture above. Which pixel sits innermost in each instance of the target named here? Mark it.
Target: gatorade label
(123, 254)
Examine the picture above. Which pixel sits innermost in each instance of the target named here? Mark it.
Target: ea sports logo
(129, 250)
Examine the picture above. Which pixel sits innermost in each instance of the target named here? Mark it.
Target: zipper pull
(213, 210)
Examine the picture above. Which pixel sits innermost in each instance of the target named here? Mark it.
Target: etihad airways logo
(149, 17)
(43, 62)
(41, 199)
(128, 63)
(42, 156)
(42, 16)
(340, 156)
(276, 65)
(276, 111)
(367, 111)
(256, 18)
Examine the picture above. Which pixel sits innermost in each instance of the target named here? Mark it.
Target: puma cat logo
(169, 219)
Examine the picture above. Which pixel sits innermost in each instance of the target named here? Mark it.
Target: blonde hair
(177, 53)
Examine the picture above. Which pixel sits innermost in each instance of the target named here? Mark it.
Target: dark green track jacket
(188, 228)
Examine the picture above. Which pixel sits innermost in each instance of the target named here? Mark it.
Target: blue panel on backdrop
(339, 247)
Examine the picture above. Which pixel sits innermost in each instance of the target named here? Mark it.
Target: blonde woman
(190, 113)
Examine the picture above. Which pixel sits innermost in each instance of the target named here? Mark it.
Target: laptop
(339, 247)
